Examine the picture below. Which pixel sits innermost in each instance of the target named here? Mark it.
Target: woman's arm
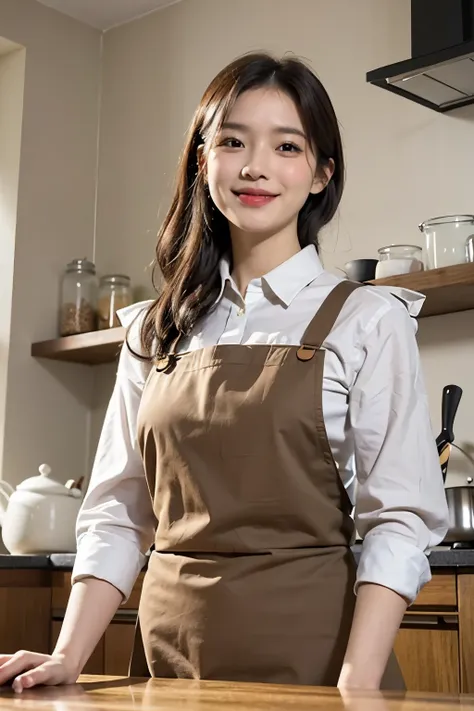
(116, 523)
(91, 606)
(378, 614)
(401, 508)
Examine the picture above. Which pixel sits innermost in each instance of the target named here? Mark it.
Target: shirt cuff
(108, 557)
(394, 563)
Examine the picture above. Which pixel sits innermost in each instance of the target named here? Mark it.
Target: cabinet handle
(120, 616)
(430, 621)
(125, 616)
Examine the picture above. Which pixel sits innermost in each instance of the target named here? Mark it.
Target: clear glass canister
(399, 259)
(115, 293)
(77, 312)
(446, 239)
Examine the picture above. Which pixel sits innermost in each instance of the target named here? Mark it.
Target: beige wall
(404, 162)
(48, 404)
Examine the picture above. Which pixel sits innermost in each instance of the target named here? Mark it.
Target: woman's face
(261, 168)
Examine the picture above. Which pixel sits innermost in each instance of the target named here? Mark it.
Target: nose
(256, 165)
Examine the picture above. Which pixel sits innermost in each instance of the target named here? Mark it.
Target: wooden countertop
(101, 693)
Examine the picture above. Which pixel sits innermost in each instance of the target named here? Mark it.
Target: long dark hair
(194, 235)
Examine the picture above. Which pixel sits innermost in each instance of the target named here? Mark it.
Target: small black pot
(361, 269)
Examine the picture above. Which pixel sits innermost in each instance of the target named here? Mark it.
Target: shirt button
(240, 312)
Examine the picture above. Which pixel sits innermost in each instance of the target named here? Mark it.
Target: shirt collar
(288, 279)
(224, 268)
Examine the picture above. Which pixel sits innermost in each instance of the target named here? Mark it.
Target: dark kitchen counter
(55, 561)
(441, 557)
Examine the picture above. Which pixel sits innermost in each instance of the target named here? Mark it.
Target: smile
(255, 199)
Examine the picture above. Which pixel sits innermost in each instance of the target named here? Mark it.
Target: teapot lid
(43, 484)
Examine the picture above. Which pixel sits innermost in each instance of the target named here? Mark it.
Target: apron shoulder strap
(326, 316)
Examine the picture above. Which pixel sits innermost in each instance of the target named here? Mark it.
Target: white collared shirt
(375, 410)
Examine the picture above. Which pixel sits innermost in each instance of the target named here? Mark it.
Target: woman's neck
(254, 256)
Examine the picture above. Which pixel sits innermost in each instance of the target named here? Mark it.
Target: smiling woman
(251, 434)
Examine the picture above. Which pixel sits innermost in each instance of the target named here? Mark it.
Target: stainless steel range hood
(442, 79)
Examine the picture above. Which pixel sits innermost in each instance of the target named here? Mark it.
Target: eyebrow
(279, 129)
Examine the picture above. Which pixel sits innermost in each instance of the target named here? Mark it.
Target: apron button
(164, 363)
(305, 352)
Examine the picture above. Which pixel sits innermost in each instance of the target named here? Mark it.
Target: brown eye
(231, 143)
(289, 148)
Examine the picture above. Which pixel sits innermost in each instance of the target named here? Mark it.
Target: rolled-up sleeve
(116, 523)
(401, 508)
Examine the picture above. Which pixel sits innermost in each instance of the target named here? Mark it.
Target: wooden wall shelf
(447, 290)
(89, 348)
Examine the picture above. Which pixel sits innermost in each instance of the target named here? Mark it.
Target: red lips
(255, 191)
(255, 197)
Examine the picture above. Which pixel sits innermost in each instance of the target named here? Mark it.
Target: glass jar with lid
(447, 239)
(77, 312)
(115, 292)
(399, 259)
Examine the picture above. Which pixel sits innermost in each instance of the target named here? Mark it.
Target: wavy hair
(194, 235)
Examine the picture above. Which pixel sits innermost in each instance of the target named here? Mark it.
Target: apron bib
(252, 576)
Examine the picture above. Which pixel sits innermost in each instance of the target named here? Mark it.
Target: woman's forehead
(268, 106)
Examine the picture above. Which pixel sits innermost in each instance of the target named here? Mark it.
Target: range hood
(440, 74)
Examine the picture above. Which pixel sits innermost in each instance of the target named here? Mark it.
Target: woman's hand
(28, 669)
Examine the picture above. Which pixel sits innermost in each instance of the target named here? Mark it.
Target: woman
(215, 449)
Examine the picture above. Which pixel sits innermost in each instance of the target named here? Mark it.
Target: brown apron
(252, 575)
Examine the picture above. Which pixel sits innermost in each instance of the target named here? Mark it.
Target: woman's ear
(201, 159)
(323, 177)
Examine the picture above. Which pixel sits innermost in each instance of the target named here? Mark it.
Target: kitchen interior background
(91, 125)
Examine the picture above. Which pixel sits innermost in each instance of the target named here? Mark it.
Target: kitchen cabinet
(465, 587)
(428, 655)
(25, 609)
(427, 645)
(118, 647)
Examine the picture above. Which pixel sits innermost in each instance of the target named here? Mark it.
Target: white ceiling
(104, 14)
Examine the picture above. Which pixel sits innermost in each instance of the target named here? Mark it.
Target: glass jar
(77, 312)
(115, 293)
(399, 259)
(446, 239)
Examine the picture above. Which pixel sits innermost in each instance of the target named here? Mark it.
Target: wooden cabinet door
(429, 657)
(119, 638)
(95, 665)
(25, 604)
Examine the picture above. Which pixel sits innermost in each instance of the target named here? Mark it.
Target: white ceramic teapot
(39, 517)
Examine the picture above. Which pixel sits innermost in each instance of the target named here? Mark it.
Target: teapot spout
(6, 490)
